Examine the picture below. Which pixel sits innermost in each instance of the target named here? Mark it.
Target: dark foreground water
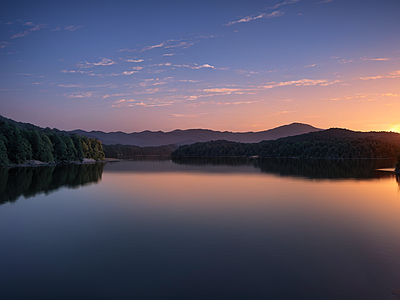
(200, 229)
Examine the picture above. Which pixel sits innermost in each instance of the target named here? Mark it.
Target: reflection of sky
(213, 64)
(168, 235)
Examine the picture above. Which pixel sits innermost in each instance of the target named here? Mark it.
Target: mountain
(184, 137)
(177, 137)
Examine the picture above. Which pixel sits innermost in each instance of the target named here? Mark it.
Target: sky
(223, 65)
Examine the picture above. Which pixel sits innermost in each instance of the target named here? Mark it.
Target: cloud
(4, 44)
(172, 43)
(376, 59)
(169, 44)
(186, 115)
(56, 29)
(153, 46)
(78, 71)
(238, 102)
(257, 16)
(126, 73)
(346, 61)
(79, 95)
(325, 1)
(168, 54)
(103, 62)
(183, 45)
(394, 74)
(132, 103)
(192, 66)
(188, 80)
(28, 31)
(73, 27)
(302, 82)
(134, 60)
(70, 85)
(284, 3)
(126, 50)
(115, 95)
(283, 112)
(221, 90)
(364, 96)
(202, 66)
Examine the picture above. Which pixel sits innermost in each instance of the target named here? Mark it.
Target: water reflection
(31, 181)
(307, 168)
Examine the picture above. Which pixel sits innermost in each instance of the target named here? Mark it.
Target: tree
(3, 151)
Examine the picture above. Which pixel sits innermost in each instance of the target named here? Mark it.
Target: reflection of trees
(326, 168)
(215, 161)
(309, 168)
(34, 180)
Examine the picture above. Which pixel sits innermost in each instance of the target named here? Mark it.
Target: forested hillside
(331, 143)
(44, 144)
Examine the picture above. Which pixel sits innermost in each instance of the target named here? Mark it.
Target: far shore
(38, 163)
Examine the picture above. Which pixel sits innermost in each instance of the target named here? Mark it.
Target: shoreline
(37, 163)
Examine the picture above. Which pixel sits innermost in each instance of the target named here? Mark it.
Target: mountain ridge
(149, 138)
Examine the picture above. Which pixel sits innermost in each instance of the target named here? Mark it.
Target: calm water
(200, 229)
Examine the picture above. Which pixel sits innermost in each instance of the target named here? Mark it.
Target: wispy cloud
(169, 54)
(364, 96)
(116, 95)
(302, 82)
(4, 44)
(257, 16)
(133, 102)
(79, 95)
(73, 27)
(283, 112)
(376, 59)
(394, 74)
(326, 1)
(193, 66)
(134, 60)
(284, 3)
(365, 58)
(28, 31)
(103, 62)
(78, 71)
(221, 90)
(171, 43)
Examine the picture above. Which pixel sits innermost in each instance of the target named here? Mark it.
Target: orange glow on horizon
(395, 128)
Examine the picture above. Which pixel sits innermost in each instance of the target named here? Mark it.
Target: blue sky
(223, 65)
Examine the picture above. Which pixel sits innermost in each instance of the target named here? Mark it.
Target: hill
(184, 137)
(331, 143)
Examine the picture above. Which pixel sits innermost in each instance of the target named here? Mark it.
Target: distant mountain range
(182, 137)
(190, 136)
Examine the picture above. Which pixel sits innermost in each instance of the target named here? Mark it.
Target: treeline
(302, 146)
(129, 151)
(46, 145)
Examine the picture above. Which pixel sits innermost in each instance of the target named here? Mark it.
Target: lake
(201, 229)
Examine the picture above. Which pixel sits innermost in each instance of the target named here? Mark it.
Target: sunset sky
(222, 65)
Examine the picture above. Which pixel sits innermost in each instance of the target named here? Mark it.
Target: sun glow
(395, 128)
